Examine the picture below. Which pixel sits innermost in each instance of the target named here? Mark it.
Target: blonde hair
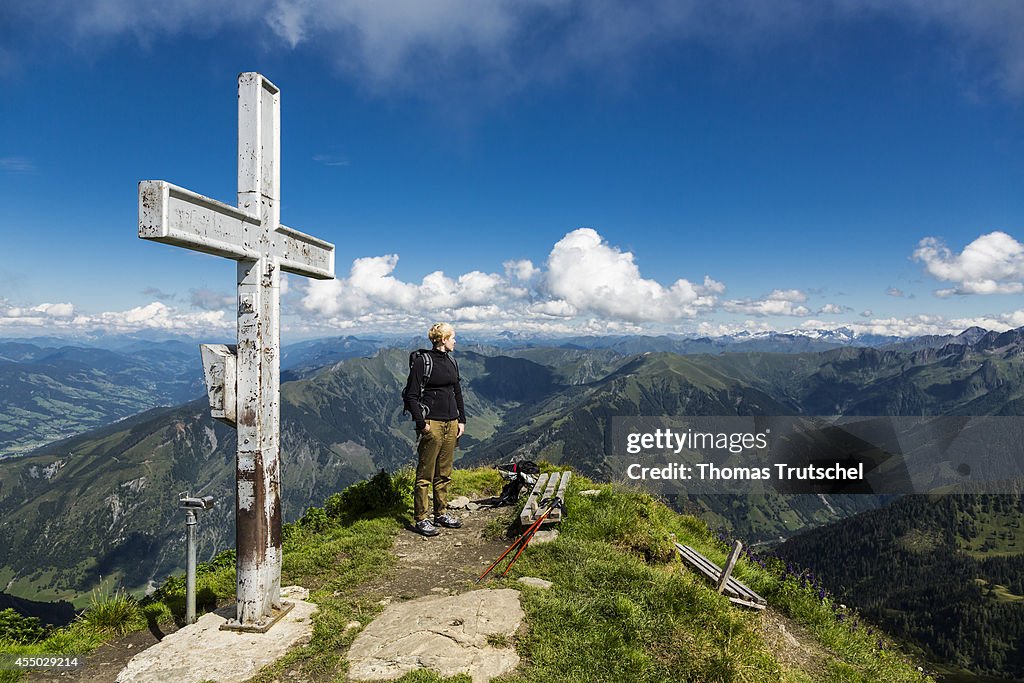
(439, 332)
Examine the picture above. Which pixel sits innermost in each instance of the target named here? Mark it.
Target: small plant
(381, 492)
(157, 613)
(315, 519)
(118, 613)
(498, 640)
(19, 629)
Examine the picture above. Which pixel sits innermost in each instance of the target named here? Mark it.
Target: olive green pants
(436, 450)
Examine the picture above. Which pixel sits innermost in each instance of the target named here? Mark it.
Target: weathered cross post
(253, 236)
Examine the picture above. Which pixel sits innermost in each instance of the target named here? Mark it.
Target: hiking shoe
(447, 520)
(426, 527)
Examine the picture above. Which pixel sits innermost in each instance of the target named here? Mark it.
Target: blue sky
(543, 166)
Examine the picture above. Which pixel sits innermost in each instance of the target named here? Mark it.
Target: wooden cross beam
(252, 235)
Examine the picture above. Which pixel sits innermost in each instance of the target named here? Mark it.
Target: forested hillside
(945, 572)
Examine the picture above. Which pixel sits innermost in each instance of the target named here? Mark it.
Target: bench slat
(736, 591)
(545, 488)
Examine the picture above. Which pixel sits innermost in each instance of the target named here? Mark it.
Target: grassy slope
(622, 607)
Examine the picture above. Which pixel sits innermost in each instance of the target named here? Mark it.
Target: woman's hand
(462, 428)
(426, 428)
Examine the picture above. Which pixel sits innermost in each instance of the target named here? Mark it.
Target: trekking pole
(522, 541)
(512, 547)
(528, 536)
(495, 563)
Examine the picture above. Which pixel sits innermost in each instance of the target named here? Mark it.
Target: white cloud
(585, 279)
(893, 291)
(371, 286)
(912, 326)
(833, 309)
(594, 277)
(158, 316)
(788, 302)
(33, 315)
(64, 310)
(991, 264)
(523, 270)
(556, 308)
(154, 316)
(792, 295)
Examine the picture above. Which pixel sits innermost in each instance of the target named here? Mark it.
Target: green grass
(107, 616)
(114, 614)
(622, 606)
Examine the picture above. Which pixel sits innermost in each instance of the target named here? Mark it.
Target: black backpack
(519, 475)
(428, 366)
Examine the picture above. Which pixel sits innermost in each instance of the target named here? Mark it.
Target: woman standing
(433, 396)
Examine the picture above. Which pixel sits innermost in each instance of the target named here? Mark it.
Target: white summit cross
(253, 236)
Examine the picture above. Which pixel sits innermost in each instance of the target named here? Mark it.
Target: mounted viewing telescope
(204, 503)
(190, 505)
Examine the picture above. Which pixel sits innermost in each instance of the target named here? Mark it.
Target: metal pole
(190, 567)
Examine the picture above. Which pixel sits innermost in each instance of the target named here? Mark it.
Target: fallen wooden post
(729, 564)
(730, 587)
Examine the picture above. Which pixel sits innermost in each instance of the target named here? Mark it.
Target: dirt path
(445, 564)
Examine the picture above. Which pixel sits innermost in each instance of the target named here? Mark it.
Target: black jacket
(442, 395)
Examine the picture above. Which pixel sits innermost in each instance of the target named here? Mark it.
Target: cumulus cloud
(589, 274)
(371, 286)
(833, 309)
(522, 270)
(788, 302)
(585, 280)
(157, 316)
(509, 44)
(35, 315)
(991, 264)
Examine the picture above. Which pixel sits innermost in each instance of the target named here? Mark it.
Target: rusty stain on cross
(244, 382)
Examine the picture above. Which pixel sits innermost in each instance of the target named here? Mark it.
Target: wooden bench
(547, 486)
(733, 589)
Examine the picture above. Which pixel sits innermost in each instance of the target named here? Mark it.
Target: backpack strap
(428, 365)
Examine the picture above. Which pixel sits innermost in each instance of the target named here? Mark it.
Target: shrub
(19, 629)
(315, 519)
(381, 492)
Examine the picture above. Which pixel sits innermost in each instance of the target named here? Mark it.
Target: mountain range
(54, 388)
(101, 506)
